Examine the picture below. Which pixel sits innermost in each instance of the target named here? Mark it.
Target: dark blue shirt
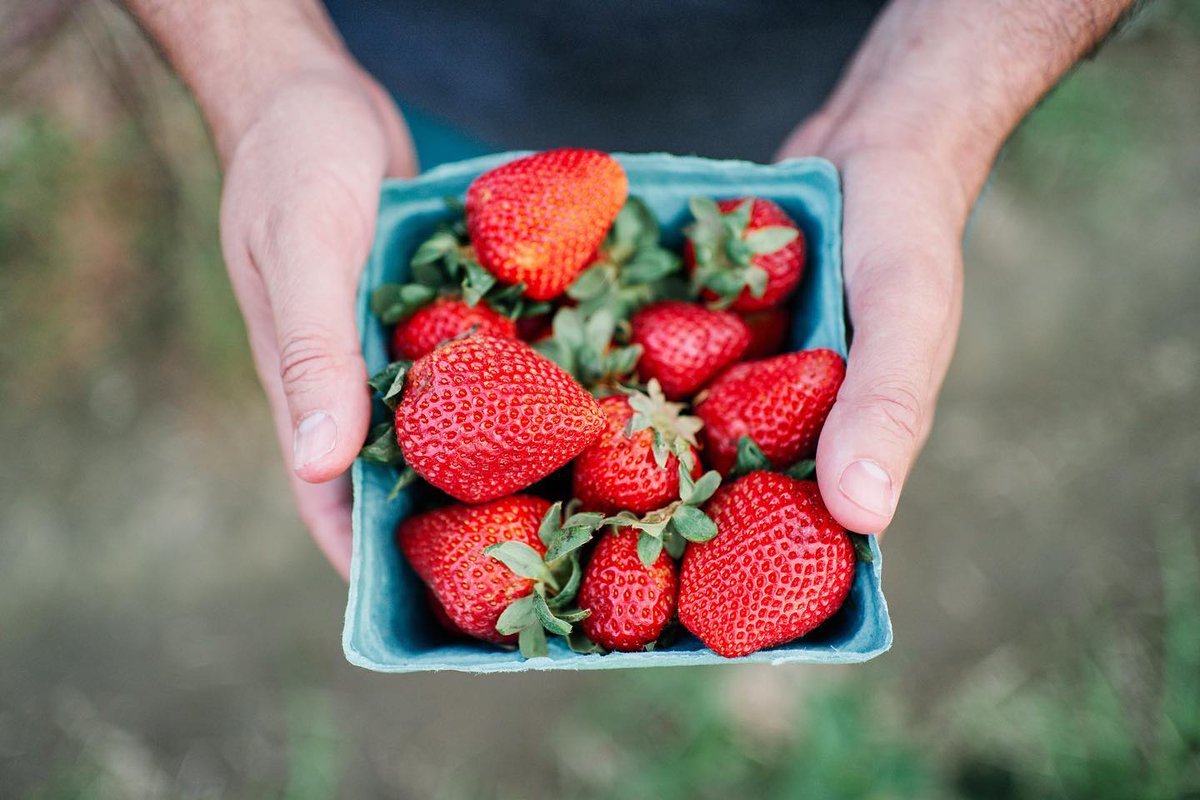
(692, 76)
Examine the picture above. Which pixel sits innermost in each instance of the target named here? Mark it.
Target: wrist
(235, 56)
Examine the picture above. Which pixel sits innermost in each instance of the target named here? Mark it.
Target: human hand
(302, 180)
(902, 231)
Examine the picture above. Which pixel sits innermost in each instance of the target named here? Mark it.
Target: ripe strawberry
(685, 345)
(634, 464)
(445, 548)
(781, 403)
(439, 613)
(442, 320)
(778, 567)
(482, 417)
(768, 331)
(744, 252)
(538, 220)
(630, 603)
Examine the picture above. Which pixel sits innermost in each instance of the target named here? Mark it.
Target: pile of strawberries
(617, 449)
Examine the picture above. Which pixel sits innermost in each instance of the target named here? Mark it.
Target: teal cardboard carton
(388, 625)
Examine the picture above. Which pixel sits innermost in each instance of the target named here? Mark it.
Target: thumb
(309, 261)
(904, 299)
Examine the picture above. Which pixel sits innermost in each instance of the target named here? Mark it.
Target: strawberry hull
(388, 625)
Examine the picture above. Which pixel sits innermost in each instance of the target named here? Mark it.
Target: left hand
(903, 221)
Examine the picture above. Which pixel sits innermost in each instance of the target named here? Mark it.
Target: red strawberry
(768, 331)
(781, 403)
(620, 470)
(439, 613)
(746, 252)
(630, 603)
(482, 417)
(442, 320)
(685, 345)
(538, 220)
(778, 567)
(445, 547)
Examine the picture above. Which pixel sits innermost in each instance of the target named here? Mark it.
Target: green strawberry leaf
(693, 524)
(436, 247)
(802, 470)
(773, 238)
(546, 617)
(750, 458)
(705, 210)
(568, 541)
(568, 329)
(756, 280)
(704, 488)
(382, 447)
(532, 642)
(407, 476)
(386, 379)
(571, 587)
(737, 220)
(674, 544)
(585, 519)
(578, 641)
(648, 548)
(650, 266)
(622, 360)
(862, 547)
(577, 615)
(518, 616)
(549, 528)
(592, 282)
(477, 283)
(522, 560)
(687, 486)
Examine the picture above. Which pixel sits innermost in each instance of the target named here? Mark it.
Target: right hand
(302, 181)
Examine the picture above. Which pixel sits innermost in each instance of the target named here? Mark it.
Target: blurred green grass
(153, 654)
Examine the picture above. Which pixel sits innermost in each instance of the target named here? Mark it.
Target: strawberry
(485, 567)
(685, 345)
(439, 613)
(744, 253)
(779, 566)
(634, 464)
(630, 603)
(780, 403)
(482, 417)
(539, 219)
(446, 549)
(444, 319)
(768, 331)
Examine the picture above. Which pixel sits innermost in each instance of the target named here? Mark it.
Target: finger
(324, 508)
(311, 233)
(903, 274)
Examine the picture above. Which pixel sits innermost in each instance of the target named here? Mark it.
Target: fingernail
(315, 437)
(869, 487)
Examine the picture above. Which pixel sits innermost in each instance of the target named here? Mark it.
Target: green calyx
(674, 431)
(445, 265)
(556, 576)
(677, 523)
(584, 346)
(724, 250)
(632, 268)
(382, 447)
(750, 458)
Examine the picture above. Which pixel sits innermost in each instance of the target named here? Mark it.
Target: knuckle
(307, 359)
(898, 407)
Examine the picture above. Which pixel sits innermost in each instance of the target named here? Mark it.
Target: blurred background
(167, 629)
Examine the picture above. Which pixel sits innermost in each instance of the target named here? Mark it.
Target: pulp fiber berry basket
(389, 627)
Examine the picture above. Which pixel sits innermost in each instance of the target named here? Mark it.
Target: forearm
(953, 79)
(232, 54)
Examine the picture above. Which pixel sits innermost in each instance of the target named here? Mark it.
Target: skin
(305, 138)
